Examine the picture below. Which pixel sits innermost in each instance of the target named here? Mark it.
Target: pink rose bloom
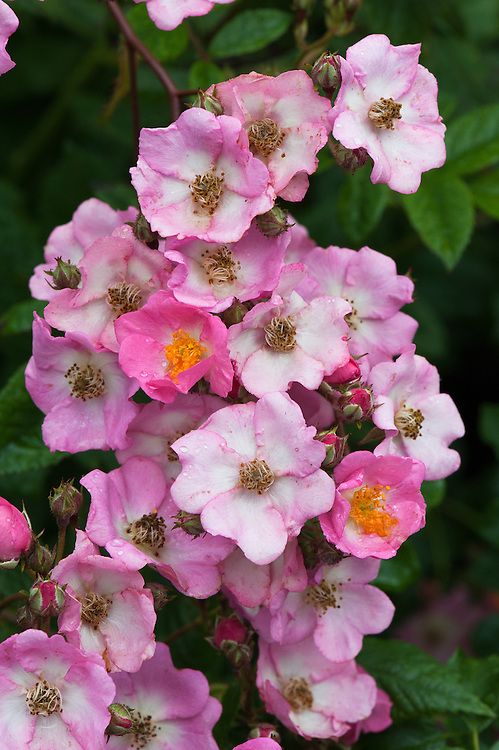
(211, 275)
(118, 274)
(157, 426)
(311, 695)
(92, 220)
(8, 24)
(198, 178)
(259, 743)
(387, 104)
(300, 243)
(287, 123)
(51, 695)
(316, 409)
(255, 585)
(168, 346)
(289, 340)
(378, 504)
(132, 516)
(172, 708)
(107, 609)
(253, 473)
(418, 420)
(168, 14)
(338, 608)
(16, 534)
(82, 391)
(369, 282)
(379, 720)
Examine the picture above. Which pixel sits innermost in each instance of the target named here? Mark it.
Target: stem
(183, 629)
(133, 40)
(475, 740)
(134, 98)
(19, 595)
(61, 540)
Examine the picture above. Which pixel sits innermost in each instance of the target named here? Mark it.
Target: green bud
(274, 222)
(65, 502)
(46, 598)
(160, 594)
(122, 720)
(209, 102)
(326, 73)
(143, 232)
(40, 559)
(65, 275)
(189, 522)
(349, 159)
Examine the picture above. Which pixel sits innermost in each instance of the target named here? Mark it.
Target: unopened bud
(265, 730)
(357, 404)
(65, 275)
(122, 720)
(274, 222)
(347, 158)
(189, 522)
(335, 448)
(339, 15)
(25, 618)
(160, 594)
(229, 629)
(209, 102)
(40, 559)
(65, 502)
(234, 314)
(348, 373)
(326, 73)
(143, 232)
(46, 599)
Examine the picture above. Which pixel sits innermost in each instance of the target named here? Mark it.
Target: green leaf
(488, 426)
(250, 31)
(17, 411)
(203, 74)
(361, 205)
(165, 45)
(19, 317)
(419, 685)
(26, 454)
(406, 736)
(473, 140)
(481, 676)
(442, 214)
(433, 492)
(401, 571)
(485, 191)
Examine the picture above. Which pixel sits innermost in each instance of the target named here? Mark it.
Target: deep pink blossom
(82, 391)
(259, 743)
(16, 536)
(252, 472)
(168, 14)
(8, 24)
(387, 104)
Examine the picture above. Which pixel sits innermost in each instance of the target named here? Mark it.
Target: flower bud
(65, 502)
(46, 599)
(234, 314)
(15, 536)
(209, 102)
(274, 222)
(326, 73)
(122, 720)
(348, 159)
(25, 618)
(160, 594)
(265, 730)
(335, 448)
(189, 522)
(65, 275)
(348, 373)
(357, 404)
(229, 629)
(143, 232)
(40, 559)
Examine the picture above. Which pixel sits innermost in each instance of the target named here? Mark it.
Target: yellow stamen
(183, 353)
(369, 512)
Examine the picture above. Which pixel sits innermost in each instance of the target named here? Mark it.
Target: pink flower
(168, 14)
(337, 608)
(16, 534)
(289, 340)
(8, 24)
(259, 743)
(316, 409)
(211, 275)
(377, 721)
(252, 472)
(300, 243)
(168, 346)
(51, 695)
(418, 420)
(287, 124)
(82, 391)
(107, 610)
(255, 585)
(387, 104)
(132, 516)
(311, 695)
(368, 280)
(157, 426)
(197, 178)
(171, 708)
(378, 504)
(91, 221)
(119, 274)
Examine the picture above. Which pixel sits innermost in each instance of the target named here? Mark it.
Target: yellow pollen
(184, 352)
(368, 510)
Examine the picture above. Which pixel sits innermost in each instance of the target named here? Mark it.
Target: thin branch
(184, 629)
(134, 97)
(61, 541)
(18, 596)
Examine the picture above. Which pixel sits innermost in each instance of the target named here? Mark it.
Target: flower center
(148, 531)
(170, 453)
(409, 422)
(368, 510)
(351, 318)
(44, 699)
(220, 266)
(256, 475)
(94, 609)
(383, 112)
(280, 334)
(207, 189)
(85, 382)
(124, 298)
(323, 596)
(265, 136)
(143, 729)
(298, 694)
(184, 352)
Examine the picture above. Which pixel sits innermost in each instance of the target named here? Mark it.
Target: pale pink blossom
(107, 610)
(379, 720)
(92, 220)
(133, 517)
(311, 695)
(378, 504)
(287, 123)
(387, 104)
(8, 24)
(16, 536)
(259, 743)
(418, 420)
(300, 243)
(52, 695)
(253, 473)
(157, 426)
(168, 14)
(168, 346)
(211, 276)
(171, 708)
(82, 391)
(197, 178)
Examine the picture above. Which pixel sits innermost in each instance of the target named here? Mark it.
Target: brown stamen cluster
(256, 475)
(148, 531)
(143, 730)
(323, 596)
(44, 699)
(409, 422)
(94, 609)
(207, 189)
(220, 266)
(170, 453)
(265, 136)
(383, 112)
(280, 334)
(298, 694)
(85, 382)
(351, 318)
(124, 298)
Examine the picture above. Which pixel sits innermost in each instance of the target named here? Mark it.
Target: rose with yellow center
(368, 510)
(183, 353)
